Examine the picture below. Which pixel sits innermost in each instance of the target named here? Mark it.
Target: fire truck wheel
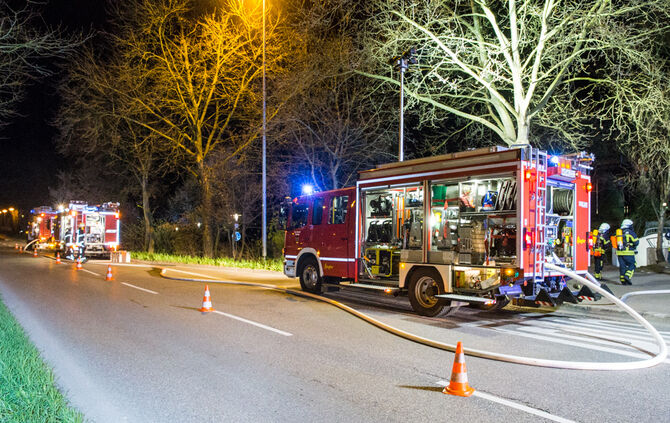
(310, 280)
(424, 285)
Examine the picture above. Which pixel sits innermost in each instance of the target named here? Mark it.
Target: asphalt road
(136, 349)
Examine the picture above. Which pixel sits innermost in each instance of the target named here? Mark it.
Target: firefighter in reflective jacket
(602, 243)
(627, 242)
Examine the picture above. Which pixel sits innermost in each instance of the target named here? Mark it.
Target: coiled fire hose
(529, 361)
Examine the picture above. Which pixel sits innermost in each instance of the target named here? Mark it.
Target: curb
(609, 311)
(208, 266)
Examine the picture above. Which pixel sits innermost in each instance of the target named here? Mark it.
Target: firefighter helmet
(626, 223)
(604, 227)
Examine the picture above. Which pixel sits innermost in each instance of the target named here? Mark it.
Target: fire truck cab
(474, 227)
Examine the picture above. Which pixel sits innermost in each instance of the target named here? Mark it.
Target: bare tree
(641, 106)
(339, 123)
(336, 127)
(513, 66)
(22, 47)
(205, 69)
(97, 124)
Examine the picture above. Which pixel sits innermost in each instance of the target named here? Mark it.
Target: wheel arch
(412, 268)
(303, 256)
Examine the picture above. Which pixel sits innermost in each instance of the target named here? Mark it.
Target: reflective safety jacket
(602, 243)
(630, 243)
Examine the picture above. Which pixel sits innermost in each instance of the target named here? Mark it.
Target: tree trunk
(217, 239)
(206, 209)
(243, 241)
(523, 131)
(660, 253)
(333, 174)
(149, 241)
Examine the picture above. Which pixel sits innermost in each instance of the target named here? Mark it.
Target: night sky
(28, 158)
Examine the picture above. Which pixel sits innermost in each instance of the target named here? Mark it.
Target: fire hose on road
(539, 362)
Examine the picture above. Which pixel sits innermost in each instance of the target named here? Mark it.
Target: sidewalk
(654, 305)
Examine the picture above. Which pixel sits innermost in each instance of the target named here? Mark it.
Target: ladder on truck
(539, 159)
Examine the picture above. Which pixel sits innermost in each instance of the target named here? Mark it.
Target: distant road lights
(4, 210)
(236, 216)
(11, 209)
(307, 189)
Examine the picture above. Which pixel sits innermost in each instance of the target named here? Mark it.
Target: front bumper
(289, 268)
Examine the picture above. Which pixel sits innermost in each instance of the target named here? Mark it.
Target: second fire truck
(474, 227)
(78, 229)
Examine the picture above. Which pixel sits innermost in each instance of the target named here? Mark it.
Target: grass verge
(27, 389)
(269, 264)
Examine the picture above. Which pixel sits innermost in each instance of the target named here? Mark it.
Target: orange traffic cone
(110, 276)
(458, 385)
(206, 301)
(20, 249)
(57, 258)
(79, 266)
(35, 252)
(16, 246)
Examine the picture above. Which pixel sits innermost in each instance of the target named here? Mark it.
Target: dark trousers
(599, 262)
(626, 268)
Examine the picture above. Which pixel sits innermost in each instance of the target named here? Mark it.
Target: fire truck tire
(310, 279)
(425, 283)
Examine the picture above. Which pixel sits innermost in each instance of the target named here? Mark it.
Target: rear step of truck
(466, 299)
(543, 298)
(386, 289)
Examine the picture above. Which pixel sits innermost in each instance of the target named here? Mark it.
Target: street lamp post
(265, 199)
(401, 63)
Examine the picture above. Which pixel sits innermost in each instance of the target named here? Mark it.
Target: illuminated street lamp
(401, 63)
(265, 194)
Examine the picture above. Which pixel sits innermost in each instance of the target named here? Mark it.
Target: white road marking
(604, 325)
(600, 340)
(189, 273)
(556, 339)
(109, 263)
(141, 289)
(614, 335)
(260, 325)
(513, 404)
(88, 271)
(610, 322)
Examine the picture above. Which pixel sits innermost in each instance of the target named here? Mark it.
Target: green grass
(269, 264)
(27, 389)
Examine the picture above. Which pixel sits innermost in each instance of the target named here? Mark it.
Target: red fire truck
(474, 227)
(79, 229)
(42, 226)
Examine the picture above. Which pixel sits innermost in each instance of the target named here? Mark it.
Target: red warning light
(589, 187)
